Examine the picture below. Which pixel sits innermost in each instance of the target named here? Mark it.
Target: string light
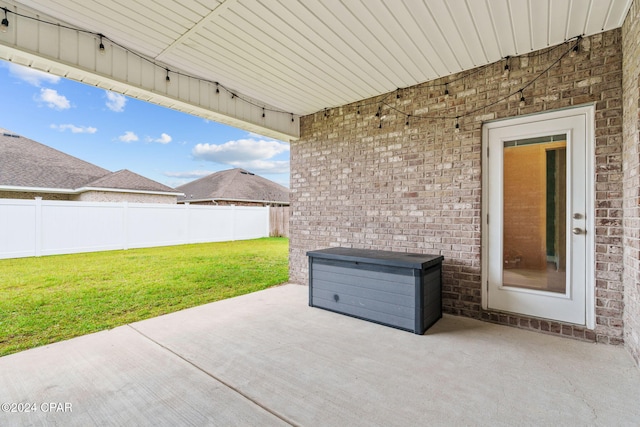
(263, 112)
(572, 51)
(325, 113)
(5, 22)
(519, 91)
(168, 79)
(407, 123)
(576, 47)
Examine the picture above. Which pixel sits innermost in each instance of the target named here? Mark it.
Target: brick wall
(110, 196)
(229, 203)
(631, 167)
(417, 187)
(31, 196)
(93, 196)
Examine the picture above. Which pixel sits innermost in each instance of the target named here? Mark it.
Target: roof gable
(27, 163)
(234, 184)
(126, 180)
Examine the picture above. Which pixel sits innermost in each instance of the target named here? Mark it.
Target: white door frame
(588, 112)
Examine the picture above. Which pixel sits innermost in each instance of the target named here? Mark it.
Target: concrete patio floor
(269, 359)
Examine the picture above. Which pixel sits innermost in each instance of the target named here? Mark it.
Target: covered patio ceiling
(301, 56)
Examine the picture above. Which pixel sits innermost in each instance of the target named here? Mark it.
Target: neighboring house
(234, 187)
(29, 169)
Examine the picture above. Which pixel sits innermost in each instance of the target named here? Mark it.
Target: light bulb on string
(292, 119)
(457, 128)
(167, 79)
(446, 89)
(217, 88)
(522, 99)
(407, 122)
(263, 112)
(378, 112)
(398, 93)
(101, 45)
(576, 47)
(5, 22)
(507, 67)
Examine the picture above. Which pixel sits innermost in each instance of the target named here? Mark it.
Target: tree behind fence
(43, 227)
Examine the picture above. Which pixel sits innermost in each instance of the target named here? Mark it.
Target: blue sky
(117, 132)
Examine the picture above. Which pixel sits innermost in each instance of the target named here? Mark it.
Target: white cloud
(53, 99)
(263, 166)
(74, 128)
(164, 139)
(31, 76)
(188, 174)
(239, 151)
(128, 137)
(115, 101)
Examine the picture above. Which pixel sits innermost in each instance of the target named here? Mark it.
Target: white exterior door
(538, 227)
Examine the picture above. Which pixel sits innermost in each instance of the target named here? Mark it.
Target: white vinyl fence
(43, 227)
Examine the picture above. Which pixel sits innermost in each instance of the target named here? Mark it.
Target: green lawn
(53, 298)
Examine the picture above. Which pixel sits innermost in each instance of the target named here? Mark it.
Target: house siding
(631, 167)
(417, 187)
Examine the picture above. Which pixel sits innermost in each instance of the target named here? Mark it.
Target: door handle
(578, 230)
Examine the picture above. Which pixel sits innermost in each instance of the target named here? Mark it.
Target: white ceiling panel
(302, 56)
(558, 19)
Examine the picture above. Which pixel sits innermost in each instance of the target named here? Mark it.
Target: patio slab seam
(214, 377)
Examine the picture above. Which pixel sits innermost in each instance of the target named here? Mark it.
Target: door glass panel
(534, 213)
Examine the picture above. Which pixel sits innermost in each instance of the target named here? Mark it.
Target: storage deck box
(402, 290)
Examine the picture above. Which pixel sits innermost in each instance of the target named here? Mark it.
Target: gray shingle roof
(27, 163)
(126, 180)
(234, 184)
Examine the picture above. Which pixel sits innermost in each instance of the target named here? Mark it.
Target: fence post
(125, 225)
(187, 209)
(38, 226)
(233, 222)
(268, 215)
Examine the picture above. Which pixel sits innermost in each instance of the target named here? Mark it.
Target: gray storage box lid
(393, 259)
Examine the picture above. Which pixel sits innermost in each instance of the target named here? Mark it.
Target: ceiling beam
(75, 55)
(226, 4)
